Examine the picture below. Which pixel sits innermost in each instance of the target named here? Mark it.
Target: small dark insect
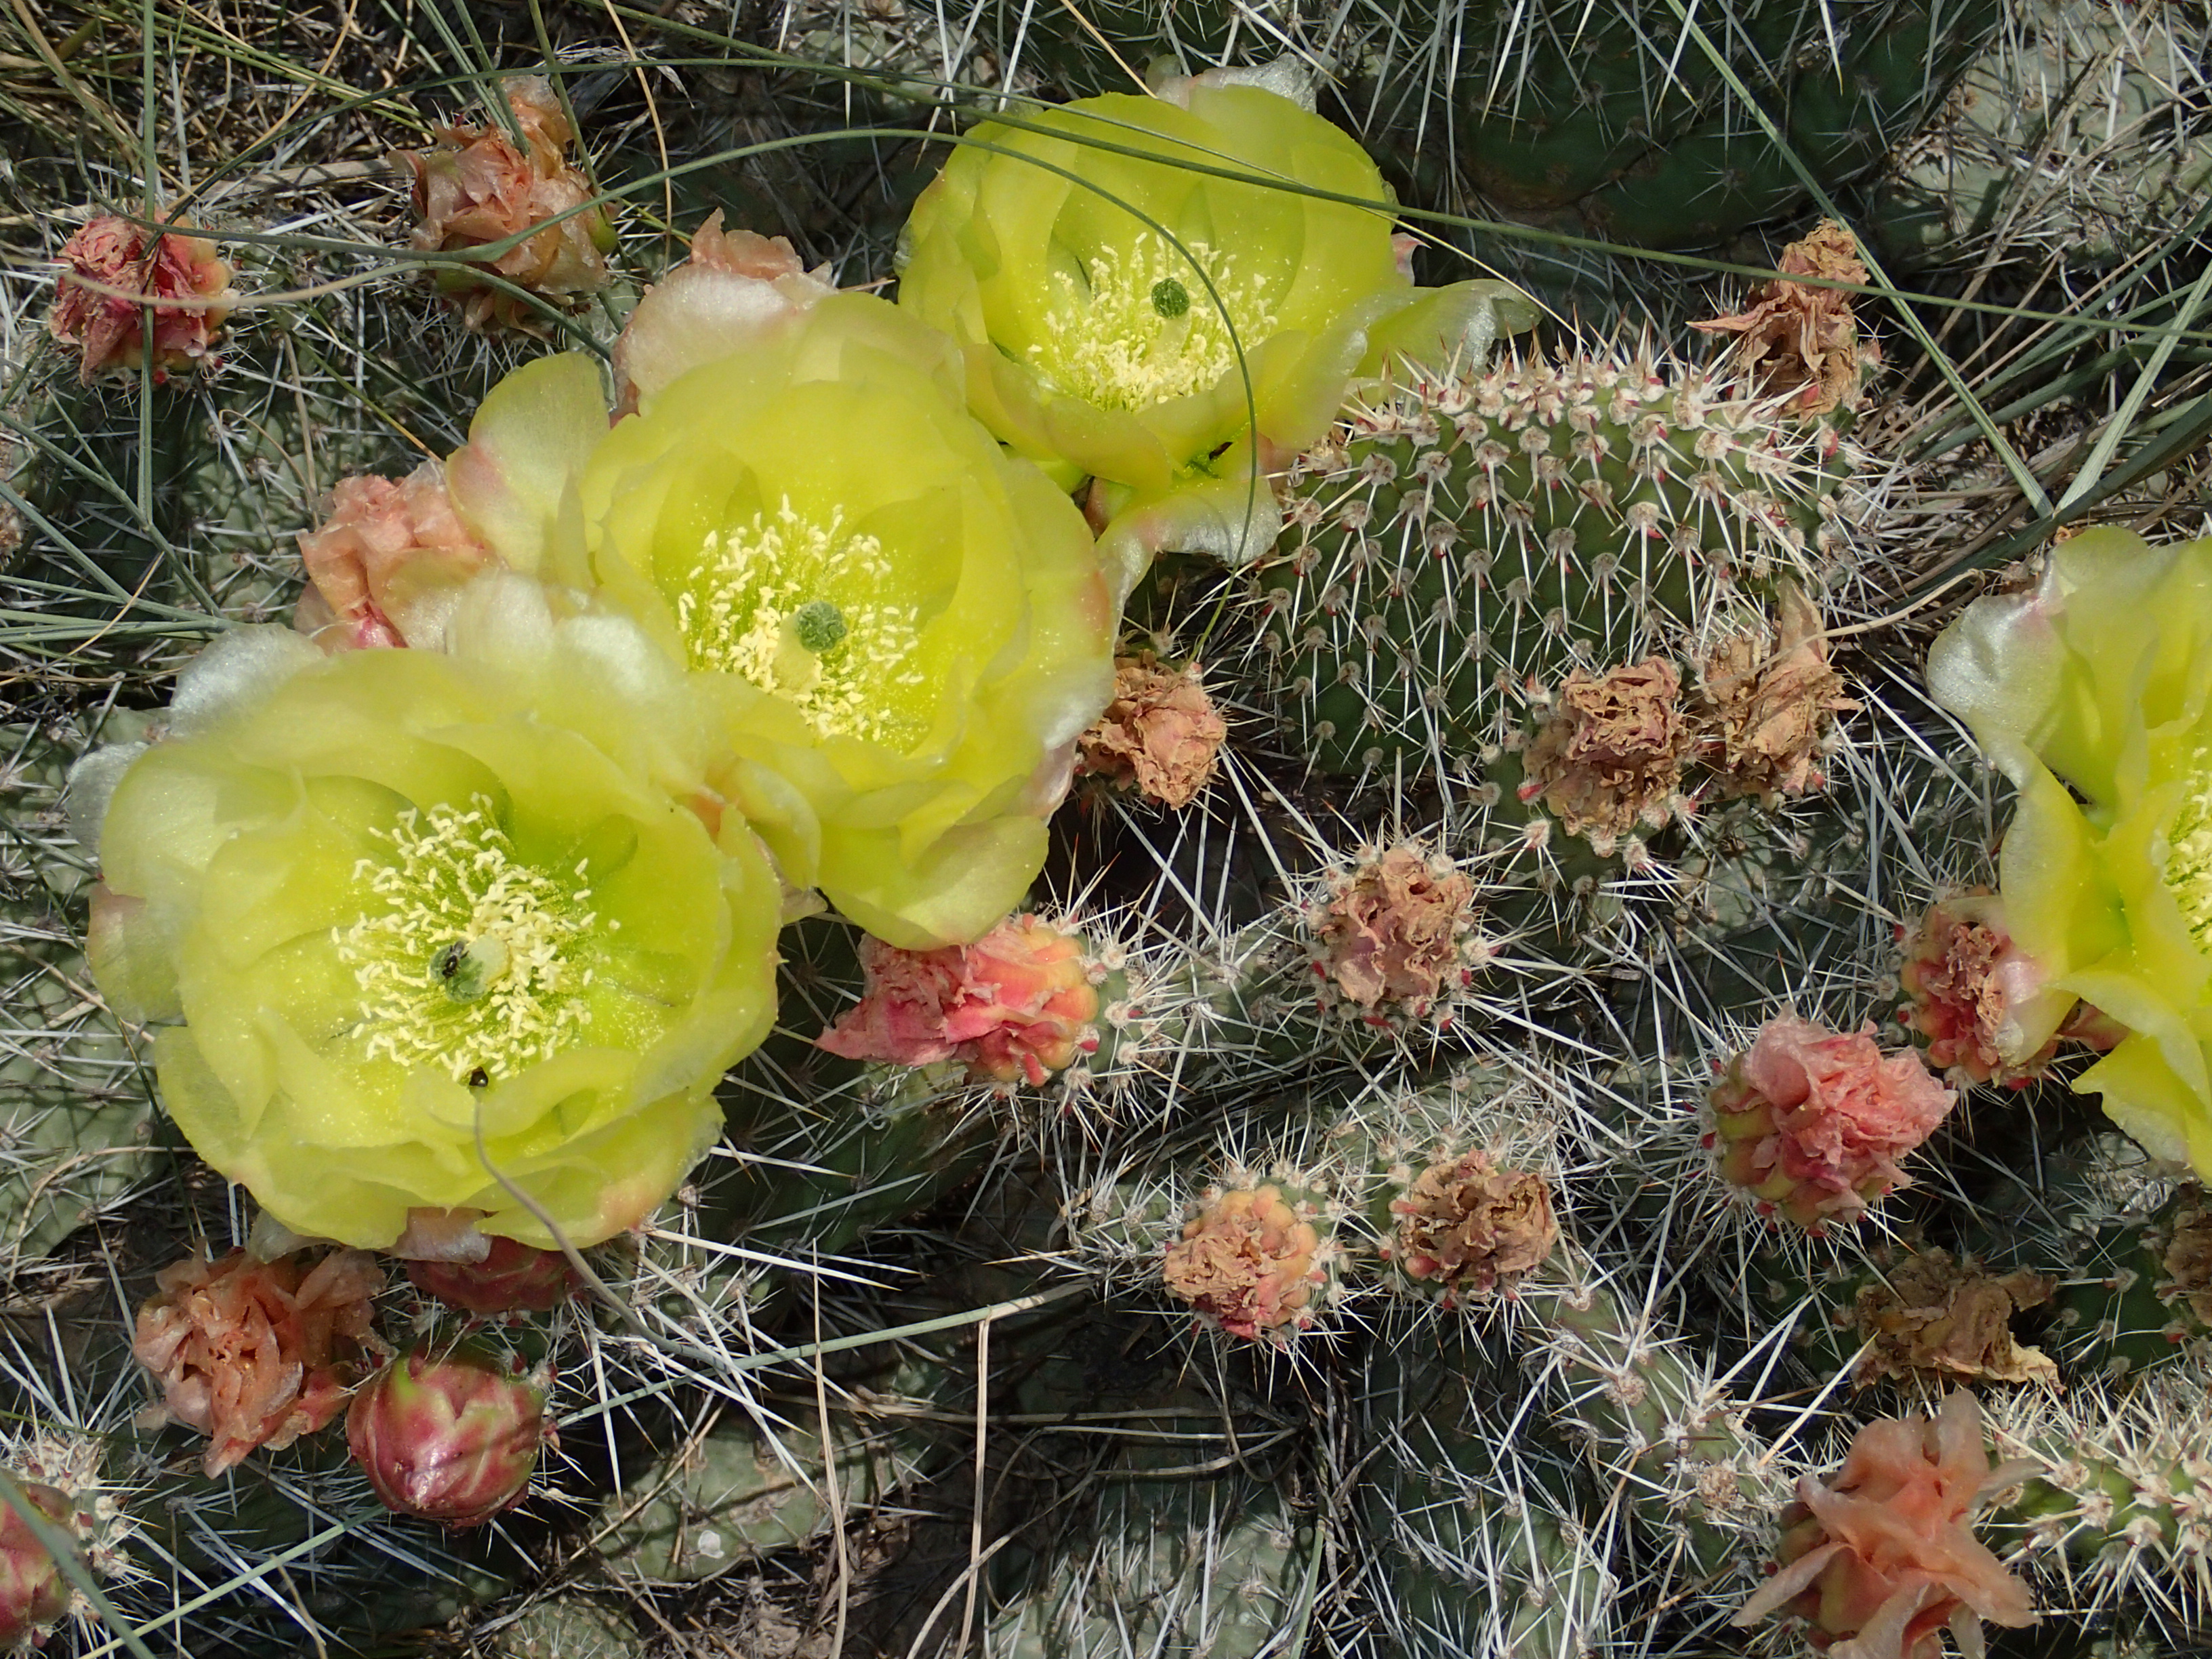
(449, 958)
(479, 1078)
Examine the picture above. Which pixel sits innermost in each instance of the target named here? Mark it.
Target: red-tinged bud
(33, 1592)
(511, 1278)
(451, 1439)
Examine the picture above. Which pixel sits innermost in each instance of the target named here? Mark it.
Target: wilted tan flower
(1883, 1553)
(1813, 1121)
(475, 187)
(1931, 1317)
(2188, 1260)
(1018, 1003)
(258, 1353)
(1395, 932)
(1767, 703)
(386, 563)
(1248, 1262)
(735, 289)
(171, 269)
(1800, 338)
(1611, 757)
(1159, 736)
(1469, 1227)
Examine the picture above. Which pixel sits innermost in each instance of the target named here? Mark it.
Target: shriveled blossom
(1883, 1551)
(1611, 757)
(258, 1353)
(1396, 933)
(1812, 1122)
(1767, 702)
(1967, 982)
(1249, 1262)
(387, 562)
(2187, 1262)
(1016, 1004)
(1929, 1317)
(189, 286)
(1160, 735)
(512, 1277)
(1467, 1226)
(476, 187)
(1800, 339)
(736, 289)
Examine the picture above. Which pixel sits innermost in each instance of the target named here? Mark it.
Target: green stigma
(818, 624)
(1171, 298)
(464, 969)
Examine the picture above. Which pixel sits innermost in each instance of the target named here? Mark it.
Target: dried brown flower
(1800, 338)
(1469, 1227)
(1611, 756)
(1160, 735)
(2188, 1260)
(1932, 1317)
(476, 187)
(257, 1353)
(1766, 705)
(1248, 1262)
(1395, 932)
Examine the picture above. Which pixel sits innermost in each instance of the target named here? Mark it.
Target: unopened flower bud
(33, 1592)
(511, 1278)
(453, 1439)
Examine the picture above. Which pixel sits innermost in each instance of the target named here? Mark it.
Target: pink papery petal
(168, 268)
(386, 562)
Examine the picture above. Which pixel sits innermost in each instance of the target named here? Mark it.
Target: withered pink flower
(1611, 757)
(475, 187)
(190, 288)
(1767, 703)
(1813, 1121)
(1396, 933)
(258, 1353)
(1469, 1227)
(1161, 734)
(511, 1278)
(1802, 339)
(1248, 1262)
(386, 562)
(2187, 1263)
(1967, 983)
(1018, 1003)
(734, 291)
(1883, 1553)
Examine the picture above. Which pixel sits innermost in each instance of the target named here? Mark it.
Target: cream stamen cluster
(2189, 862)
(465, 959)
(1140, 325)
(787, 605)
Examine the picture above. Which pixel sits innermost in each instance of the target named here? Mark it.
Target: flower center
(795, 607)
(1139, 328)
(464, 957)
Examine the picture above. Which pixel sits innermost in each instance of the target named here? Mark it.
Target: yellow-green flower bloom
(2094, 693)
(1124, 316)
(900, 629)
(395, 897)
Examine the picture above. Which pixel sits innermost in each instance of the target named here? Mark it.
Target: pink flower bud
(452, 1439)
(386, 562)
(1018, 1003)
(258, 1353)
(511, 1278)
(1882, 1551)
(176, 271)
(475, 187)
(1813, 1121)
(1248, 1262)
(33, 1595)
